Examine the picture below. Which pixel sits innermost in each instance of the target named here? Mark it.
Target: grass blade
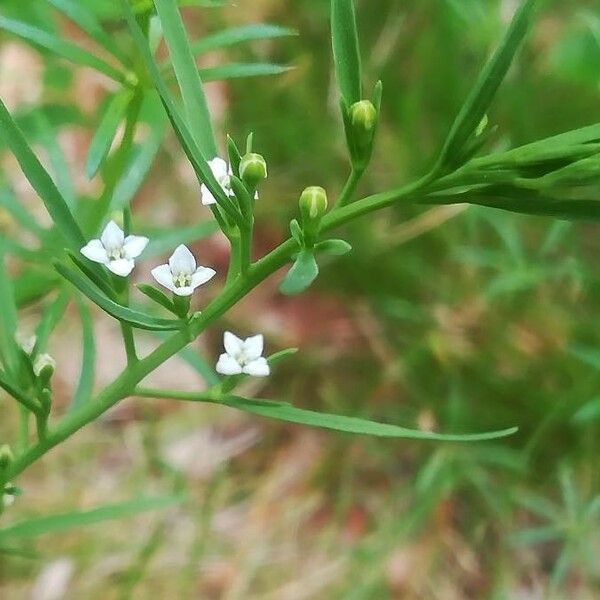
(8, 316)
(487, 84)
(291, 414)
(346, 54)
(188, 77)
(40, 181)
(75, 519)
(239, 70)
(60, 47)
(112, 114)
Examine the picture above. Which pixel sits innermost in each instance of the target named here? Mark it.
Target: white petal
(112, 236)
(206, 195)
(186, 290)
(94, 250)
(218, 167)
(253, 347)
(227, 365)
(202, 275)
(134, 245)
(233, 344)
(182, 261)
(121, 267)
(257, 368)
(163, 275)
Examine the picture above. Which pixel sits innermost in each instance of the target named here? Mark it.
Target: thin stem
(143, 392)
(235, 257)
(246, 246)
(349, 188)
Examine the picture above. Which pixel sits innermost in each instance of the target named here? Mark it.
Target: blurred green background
(453, 318)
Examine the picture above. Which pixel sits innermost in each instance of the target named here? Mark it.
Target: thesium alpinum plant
(92, 248)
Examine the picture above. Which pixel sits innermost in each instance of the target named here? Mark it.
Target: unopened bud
(44, 367)
(363, 116)
(253, 169)
(27, 342)
(313, 203)
(6, 456)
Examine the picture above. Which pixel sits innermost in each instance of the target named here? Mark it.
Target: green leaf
(97, 275)
(187, 75)
(235, 158)
(51, 317)
(112, 114)
(333, 247)
(66, 521)
(85, 385)
(61, 47)
(8, 317)
(88, 22)
(291, 414)
(239, 35)
(238, 70)
(488, 82)
(122, 313)
(346, 54)
(157, 296)
(303, 272)
(40, 181)
(10, 203)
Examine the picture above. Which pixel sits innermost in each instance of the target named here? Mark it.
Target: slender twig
(349, 188)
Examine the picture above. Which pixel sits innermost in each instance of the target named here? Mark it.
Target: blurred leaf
(8, 317)
(238, 35)
(535, 535)
(61, 47)
(51, 317)
(488, 82)
(291, 414)
(302, 273)
(588, 413)
(346, 54)
(41, 181)
(85, 386)
(19, 213)
(333, 247)
(157, 296)
(187, 75)
(110, 117)
(71, 520)
(237, 70)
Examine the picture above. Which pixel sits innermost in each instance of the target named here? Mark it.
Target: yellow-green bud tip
(363, 115)
(44, 366)
(313, 202)
(253, 169)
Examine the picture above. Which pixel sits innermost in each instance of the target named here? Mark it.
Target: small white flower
(243, 356)
(8, 498)
(181, 275)
(114, 250)
(222, 172)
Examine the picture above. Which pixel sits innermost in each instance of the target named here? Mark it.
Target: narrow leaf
(157, 296)
(291, 414)
(8, 317)
(112, 114)
(346, 54)
(85, 385)
(187, 75)
(239, 70)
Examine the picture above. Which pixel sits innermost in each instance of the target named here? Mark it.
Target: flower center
(115, 253)
(241, 358)
(182, 280)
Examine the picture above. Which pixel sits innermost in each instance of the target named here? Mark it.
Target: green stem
(349, 188)
(143, 392)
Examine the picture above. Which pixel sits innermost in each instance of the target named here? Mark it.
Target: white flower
(8, 498)
(181, 275)
(222, 172)
(243, 356)
(114, 250)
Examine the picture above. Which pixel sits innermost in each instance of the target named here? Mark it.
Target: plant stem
(349, 187)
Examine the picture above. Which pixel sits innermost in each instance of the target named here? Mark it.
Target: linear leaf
(488, 82)
(346, 54)
(60, 47)
(70, 520)
(111, 116)
(51, 317)
(122, 313)
(88, 358)
(239, 35)
(187, 75)
(291, 414)
(8, 316)
(238, 70)
(40, 181)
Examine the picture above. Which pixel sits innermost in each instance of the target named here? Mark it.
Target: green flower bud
(6, 456)
(44, 367)
(313, 203)
(363, 116)
(253, 169)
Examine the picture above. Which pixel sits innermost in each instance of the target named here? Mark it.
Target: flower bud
(26, 342)
(313, 203)
(43, 367)
(253, 169)
(6, 456)
(363, 116)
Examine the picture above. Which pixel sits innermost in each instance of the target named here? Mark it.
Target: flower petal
(227, 365)
(218, 167)
(186, 290)
(182, 261)
(233, 344)
(121, 266)
(206, 196)
(202, 275)
(163, 275)
(134, 245)
(112, 236)
(257, 368)
(94, 250)
(253, 346)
